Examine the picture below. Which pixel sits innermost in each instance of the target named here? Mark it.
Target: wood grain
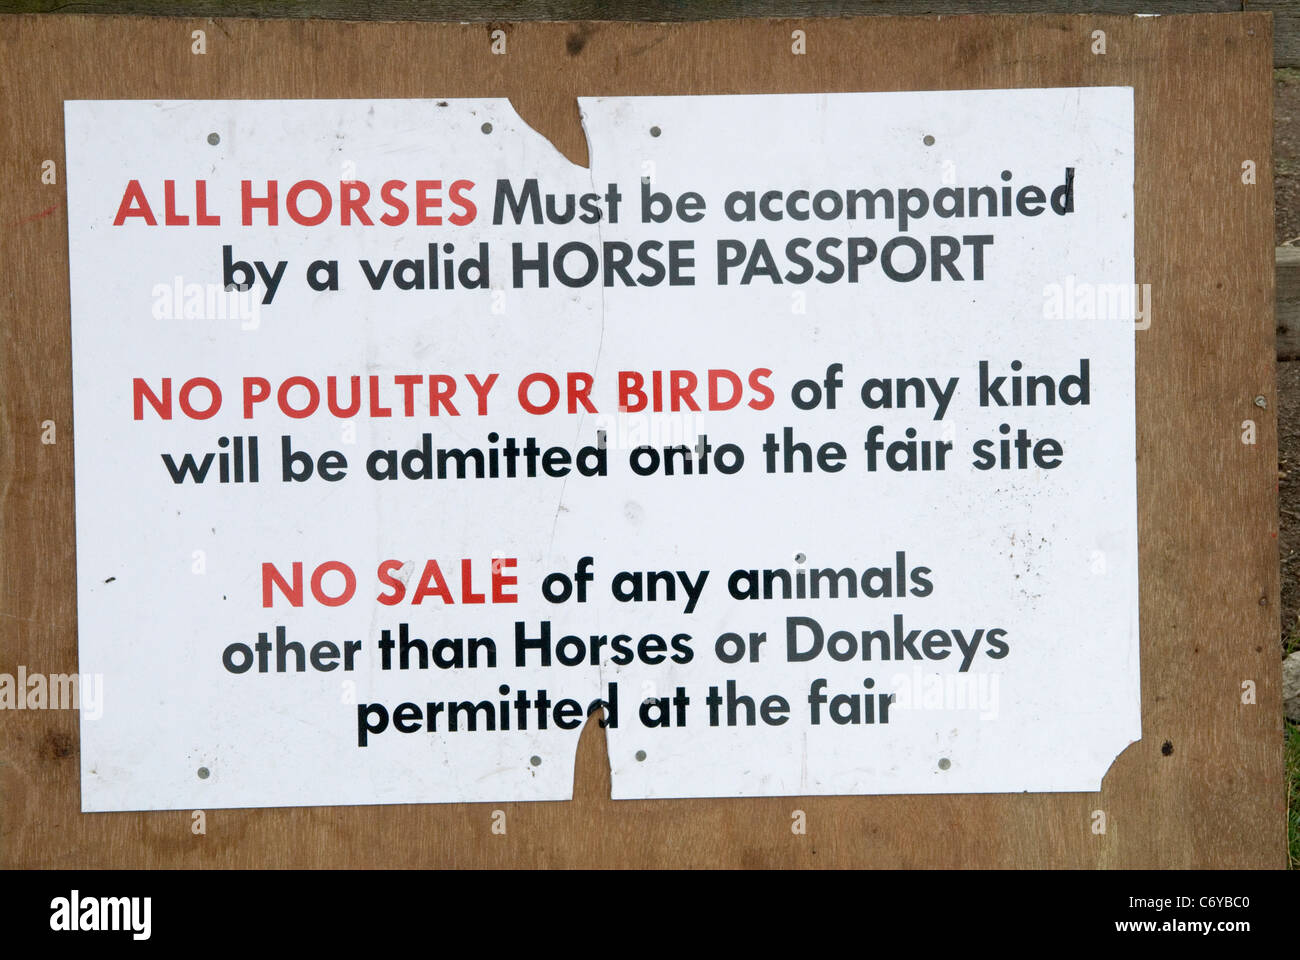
(1207, 502)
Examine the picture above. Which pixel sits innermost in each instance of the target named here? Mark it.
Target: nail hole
(536, 761)
(928, 140)
(486, 128)
(1167, 748)
(214, 138)
(640, 754)
(944, 763)
(203, 773)
(655, 131)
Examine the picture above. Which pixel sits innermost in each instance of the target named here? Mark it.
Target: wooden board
(1204, 785)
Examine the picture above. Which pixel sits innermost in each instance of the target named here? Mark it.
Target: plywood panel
(1204, 785)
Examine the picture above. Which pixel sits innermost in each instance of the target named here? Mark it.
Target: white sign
(796, 435)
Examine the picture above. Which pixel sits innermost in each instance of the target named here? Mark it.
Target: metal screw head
(204, 773)
(214, 138)
(536, 761)
(1261, 402)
